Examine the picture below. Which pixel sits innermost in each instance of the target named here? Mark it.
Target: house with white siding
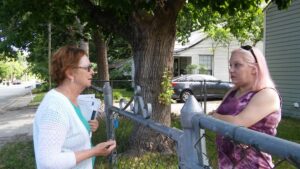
(201, 50)
(282, 50)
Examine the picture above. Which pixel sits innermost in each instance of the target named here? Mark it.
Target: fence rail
(191, 143)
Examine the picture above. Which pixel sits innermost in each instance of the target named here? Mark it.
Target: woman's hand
(104, 148)
(94, 124)
(101, 149)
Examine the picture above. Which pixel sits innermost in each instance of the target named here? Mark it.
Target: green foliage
(118, 49)
(117, 95)
(41, 89)
(202, 69)
(165, 96)
(193, 68)
(12, 68)
(122, 93)
(222, 22)
(37, 99)
(4, 70)
(220, 35)
(190, 69)
(122, 71)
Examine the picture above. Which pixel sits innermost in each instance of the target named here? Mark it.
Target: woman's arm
(261, 105)
(53, 129)
(51, 136)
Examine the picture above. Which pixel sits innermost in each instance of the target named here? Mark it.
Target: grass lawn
(21, 154)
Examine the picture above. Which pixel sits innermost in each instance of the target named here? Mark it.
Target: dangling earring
(72, 80)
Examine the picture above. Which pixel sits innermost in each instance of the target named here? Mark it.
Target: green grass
(122, 93)
(17, 155)
(289, 128)
(37, 99)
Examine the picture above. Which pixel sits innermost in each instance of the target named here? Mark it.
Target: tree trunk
(84, 45)
(152, 37)
(153, 52)
(101, 55)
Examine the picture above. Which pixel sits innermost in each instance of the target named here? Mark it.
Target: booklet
(87, 104)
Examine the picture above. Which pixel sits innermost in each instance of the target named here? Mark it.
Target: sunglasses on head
(87, 68)
(249, 48)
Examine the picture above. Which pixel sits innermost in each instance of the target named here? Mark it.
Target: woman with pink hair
(253, 103)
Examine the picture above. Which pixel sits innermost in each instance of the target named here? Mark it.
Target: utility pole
(49, 53)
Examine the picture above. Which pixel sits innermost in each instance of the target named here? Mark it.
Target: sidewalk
(16, 119)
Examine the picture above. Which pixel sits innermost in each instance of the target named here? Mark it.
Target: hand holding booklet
(88, 103)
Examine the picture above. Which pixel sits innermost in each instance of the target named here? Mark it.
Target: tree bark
(101, 55)
(153, 52)
(84, 45)
(83, 42)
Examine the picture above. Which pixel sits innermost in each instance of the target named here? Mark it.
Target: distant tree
(11, 69)
(4, 70)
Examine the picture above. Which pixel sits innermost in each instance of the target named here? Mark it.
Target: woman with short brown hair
(60, 132)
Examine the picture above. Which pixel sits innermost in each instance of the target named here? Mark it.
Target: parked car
(193, 84)
(16, 82)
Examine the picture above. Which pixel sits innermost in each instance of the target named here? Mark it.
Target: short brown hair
(64, 58)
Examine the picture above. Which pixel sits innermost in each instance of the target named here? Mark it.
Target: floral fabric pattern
(240, 156)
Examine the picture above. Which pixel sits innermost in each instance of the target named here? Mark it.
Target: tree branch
(106, 19)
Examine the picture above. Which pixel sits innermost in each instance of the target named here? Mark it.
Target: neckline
(58, 91)
(241, 96)
(74, 105)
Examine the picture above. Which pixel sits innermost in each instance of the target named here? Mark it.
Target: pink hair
(263, 78)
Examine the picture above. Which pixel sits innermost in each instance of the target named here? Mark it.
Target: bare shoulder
(267, 95)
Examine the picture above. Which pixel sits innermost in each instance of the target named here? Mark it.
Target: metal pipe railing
(261, 141)
(191, 145)
(173, 133)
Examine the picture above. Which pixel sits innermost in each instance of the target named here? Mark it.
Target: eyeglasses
(249, 48)
(87, 68)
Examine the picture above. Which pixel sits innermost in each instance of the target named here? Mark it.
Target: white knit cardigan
(58, 133)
